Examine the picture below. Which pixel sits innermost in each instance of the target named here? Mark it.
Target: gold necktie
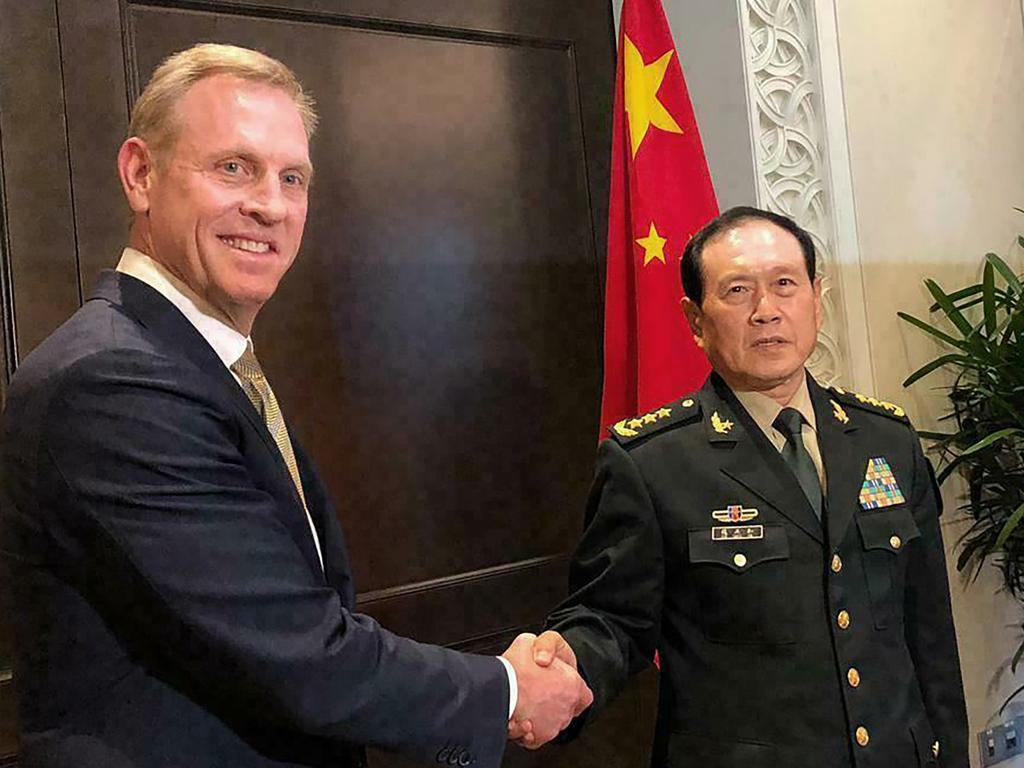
(257, 388)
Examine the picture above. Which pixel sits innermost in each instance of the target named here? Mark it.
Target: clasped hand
(551, 692)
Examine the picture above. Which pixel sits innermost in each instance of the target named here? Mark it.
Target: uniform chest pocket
(886, 535)
(741, 586)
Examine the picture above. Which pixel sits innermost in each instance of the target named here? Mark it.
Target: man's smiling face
(227, 204)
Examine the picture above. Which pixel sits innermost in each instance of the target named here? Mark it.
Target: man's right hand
(551, 692)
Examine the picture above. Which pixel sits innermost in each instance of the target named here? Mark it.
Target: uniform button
(837, 563)
(863, 737)
(935, 749)
(895, 542)
(853, 677)
(843, 620)
(739, 559)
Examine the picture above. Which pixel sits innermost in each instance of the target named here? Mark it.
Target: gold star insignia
(664, 412)
(650, 418)
(653, 245)
(636, 423)
(642, 82)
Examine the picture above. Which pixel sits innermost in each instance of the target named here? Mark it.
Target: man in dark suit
(776, 541)
(181, 586)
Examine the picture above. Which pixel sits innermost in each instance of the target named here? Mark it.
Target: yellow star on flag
(653, 245)
(642, 106)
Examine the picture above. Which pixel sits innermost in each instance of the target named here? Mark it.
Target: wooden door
(437, 344)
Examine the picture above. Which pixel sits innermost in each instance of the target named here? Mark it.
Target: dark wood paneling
(8, 721)
(37, 188)
(97, 120)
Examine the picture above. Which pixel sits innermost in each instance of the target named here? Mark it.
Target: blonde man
(181, 581)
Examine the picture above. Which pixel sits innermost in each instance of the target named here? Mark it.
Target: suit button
(843, 620)
(739, 559)
(837, 563)
(895, 542)
(935, 749)
(863, 737)
(853, 677)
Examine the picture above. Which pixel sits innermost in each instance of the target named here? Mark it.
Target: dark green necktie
(794, 453)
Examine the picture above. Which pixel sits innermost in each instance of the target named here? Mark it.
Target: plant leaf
(957, 296)
(949, 308)
(942, 336)
(1004, 270)
(989, 296)
(987, 441)
(938, 362)
(1017, 657)
(1009, 527)
(936, 435)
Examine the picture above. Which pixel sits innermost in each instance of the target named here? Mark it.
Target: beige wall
(934, 96)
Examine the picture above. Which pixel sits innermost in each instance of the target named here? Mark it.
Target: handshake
(551, 692)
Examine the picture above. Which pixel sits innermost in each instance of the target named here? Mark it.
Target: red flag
(661, 194)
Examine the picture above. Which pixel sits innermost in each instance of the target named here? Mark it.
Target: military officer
(776, 541)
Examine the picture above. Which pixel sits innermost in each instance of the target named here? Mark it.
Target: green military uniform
(785, 640)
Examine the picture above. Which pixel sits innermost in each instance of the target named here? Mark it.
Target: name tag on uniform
(737, 532)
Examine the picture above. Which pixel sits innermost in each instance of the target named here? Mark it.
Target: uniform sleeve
(612, 616)
(930, 634)
(154, 512)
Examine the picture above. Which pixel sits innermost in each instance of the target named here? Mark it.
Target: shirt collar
(228, 343)
(763, 409)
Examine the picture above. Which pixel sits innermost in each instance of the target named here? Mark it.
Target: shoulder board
(870, 404)
(681, 411)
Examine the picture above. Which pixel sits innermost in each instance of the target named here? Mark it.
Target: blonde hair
(153, 118)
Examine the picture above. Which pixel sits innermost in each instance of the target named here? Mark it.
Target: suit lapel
(844, 463)
(752, 460)
(161, 318)
(337, 568)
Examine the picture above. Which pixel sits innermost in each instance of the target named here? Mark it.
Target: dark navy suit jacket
(170, 606)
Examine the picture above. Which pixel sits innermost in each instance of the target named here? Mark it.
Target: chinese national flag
(661, 194)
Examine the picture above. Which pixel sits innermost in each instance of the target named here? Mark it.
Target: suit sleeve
(156, 514)
(611, 618)
(929, 628)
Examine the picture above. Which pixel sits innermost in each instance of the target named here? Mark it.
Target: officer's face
(761, 311)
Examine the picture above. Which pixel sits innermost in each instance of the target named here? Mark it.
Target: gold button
(843, 620)
(935, 749)
(687, 403)
(837, 563)
(853, 676)
(739, 559)
(895, 542)
(863, 737)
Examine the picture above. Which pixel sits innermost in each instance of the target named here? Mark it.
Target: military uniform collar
(764, 409)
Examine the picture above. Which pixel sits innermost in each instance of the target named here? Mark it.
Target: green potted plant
(981, 330)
